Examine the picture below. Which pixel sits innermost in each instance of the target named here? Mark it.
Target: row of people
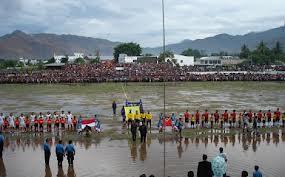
(226, 119)
(107, 72)
(37, 122)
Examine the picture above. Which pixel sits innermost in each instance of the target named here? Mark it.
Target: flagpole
(164, 112)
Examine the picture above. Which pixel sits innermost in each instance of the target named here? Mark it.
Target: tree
(190, 52)
(79, 61)
(244, 52)
(131, 49)
(148, 54)
(51, 60)
(261, 55)
(167, 54)
(277, 52)
(40, 65)
(64, 60)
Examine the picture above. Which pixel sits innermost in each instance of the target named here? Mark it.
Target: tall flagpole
(164, 149)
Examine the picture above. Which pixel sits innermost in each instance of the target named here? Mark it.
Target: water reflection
(247, 141)
(48, 172)
(2, 168)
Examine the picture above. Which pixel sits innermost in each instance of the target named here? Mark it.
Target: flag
(89, 122)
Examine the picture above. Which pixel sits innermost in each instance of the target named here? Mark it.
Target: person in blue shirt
(1, 143)
(257, 173)
(47, 152)
(59, 150)
(70, 152)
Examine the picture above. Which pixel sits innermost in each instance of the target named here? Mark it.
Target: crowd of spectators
(148, 72)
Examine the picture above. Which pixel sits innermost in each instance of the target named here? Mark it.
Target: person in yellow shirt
(137, 117)
(148, 117)
(130, 118)
(143, 116)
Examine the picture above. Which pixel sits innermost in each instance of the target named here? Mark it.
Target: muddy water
(97, 98)
(23, 157)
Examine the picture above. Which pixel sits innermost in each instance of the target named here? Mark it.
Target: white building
(124, 58)
(182, 60)
(71, 58)
(219, 60)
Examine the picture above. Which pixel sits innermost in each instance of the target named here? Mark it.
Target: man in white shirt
(69, 120)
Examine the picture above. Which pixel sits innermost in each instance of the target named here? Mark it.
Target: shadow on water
(2, 168)
(133, 158)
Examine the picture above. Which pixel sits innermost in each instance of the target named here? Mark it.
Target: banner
(133, 109)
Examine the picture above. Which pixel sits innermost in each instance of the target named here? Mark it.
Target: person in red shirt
(225, 118)
(74, 122)
(197, 118)
(56, 124)
(217, 117)
(27, 122)
(186, 117)
(6, 124)
(250, 116)
(41, 123)
(49, 122)
(277, 115)
(17, 123)
(206, 117)
(62, 122)
(36, 124)
(268, 115)
(233, 119)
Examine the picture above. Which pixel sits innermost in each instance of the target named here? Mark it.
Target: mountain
(226, 42)
(43, 46)
(20, 44)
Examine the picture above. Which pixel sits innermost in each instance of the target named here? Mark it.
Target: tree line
(263, 54)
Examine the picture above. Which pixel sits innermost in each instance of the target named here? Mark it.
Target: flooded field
(104, 158)
(97, 98)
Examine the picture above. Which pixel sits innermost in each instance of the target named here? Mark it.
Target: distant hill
(43, 46)
(226, 42)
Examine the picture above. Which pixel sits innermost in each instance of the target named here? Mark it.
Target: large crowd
(138, 72)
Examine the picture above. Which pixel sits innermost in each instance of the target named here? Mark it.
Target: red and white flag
(89, 122)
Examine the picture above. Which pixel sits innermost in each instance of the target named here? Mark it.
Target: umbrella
(219, 166)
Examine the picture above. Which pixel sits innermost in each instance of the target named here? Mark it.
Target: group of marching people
(226, 119)
(37, 122)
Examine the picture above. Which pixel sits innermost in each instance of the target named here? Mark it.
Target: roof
(55, 64)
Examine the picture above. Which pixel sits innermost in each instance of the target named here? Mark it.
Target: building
(124, 58)
(182, 60)
(219, 60)
(148, 59)
(71, 58)
(212, 60)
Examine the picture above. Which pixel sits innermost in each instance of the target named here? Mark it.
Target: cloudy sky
(140, 20)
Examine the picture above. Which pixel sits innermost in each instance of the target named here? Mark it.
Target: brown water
(23, 156)
(97, 98)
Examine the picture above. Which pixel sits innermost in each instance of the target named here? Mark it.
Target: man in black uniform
(134, 130)
(143, 131)
(204, 168)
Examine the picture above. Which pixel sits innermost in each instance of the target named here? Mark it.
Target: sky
(141, 20)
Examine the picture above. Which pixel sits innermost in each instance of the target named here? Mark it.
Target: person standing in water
(47, 152)
(134, 130)
(143, 132)
(70, 152)
(59, 150)
(1, 143)
(114, 107)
